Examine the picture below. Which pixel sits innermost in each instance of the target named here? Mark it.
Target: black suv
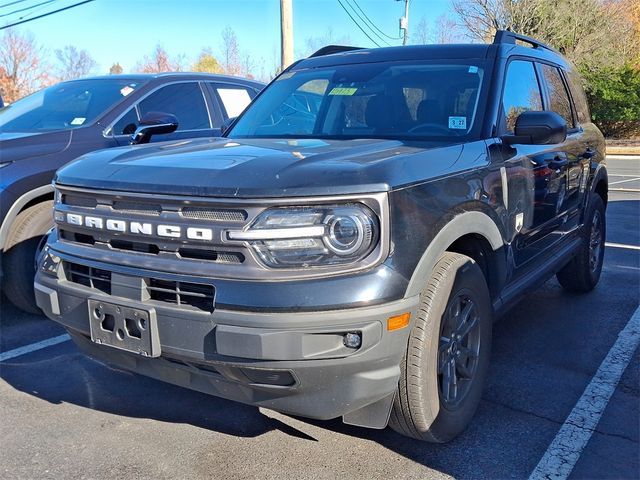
(345, 249)
(42, 132)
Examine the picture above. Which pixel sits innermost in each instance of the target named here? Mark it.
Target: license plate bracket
(125, 327)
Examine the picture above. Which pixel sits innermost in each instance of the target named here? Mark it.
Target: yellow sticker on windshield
(343, 91)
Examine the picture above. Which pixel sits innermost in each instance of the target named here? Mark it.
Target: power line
(12, 3)
(357, 24)
(366, 24)
(374, 25)
(46, 14)
(26, 8)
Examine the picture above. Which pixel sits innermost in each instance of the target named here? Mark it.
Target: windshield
(65, 105)
(376, 100)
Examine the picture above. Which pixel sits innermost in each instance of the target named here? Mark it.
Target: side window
(184, 100)
(521, 92)
(127, 124)
(579, 98)
(559, 101)
(234, 99)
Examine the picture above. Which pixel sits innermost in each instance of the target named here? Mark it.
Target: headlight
(312, 236)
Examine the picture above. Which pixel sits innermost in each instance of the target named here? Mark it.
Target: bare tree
(230, 52)
(21, 67)
(73, 63)
(159, 61)
(446, 30)
(313, 44)
(420, 35)
(116, 69)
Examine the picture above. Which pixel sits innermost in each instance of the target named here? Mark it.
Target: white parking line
(622, 245)
(564, 452)
(625, 181)
(16, 352)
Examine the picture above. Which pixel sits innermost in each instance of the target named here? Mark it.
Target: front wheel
(447, 356)
(19, 262)
(582, 273)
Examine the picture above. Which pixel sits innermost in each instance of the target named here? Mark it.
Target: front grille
(89, 276)
(216, 215)
(195, 296)
(136, 208)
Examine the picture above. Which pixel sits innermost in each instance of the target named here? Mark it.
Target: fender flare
(15, 209)
(471, 222)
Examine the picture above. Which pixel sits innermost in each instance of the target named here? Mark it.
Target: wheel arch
(32, 197)
(471, 233)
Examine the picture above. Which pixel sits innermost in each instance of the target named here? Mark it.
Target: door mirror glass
(538, 128)
(154, 123)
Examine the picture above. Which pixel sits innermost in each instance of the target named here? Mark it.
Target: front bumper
(293, 362)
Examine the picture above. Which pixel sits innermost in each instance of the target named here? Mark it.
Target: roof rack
(331, 49)
(505, 36)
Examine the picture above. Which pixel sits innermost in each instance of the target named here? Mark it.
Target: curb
(623, 150)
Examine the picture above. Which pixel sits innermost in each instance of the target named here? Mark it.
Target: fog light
(352, 340)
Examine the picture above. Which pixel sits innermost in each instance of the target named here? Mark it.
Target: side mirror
(538, 128)
(226, 125)
(154, 123)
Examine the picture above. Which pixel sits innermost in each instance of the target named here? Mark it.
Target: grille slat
(216, 215)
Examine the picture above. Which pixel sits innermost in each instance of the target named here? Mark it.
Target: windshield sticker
(78, 121)
(126, 90)
(346, 91)
(458, 123)
(473, 69)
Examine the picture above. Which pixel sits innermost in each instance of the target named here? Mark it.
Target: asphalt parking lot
(63, 415)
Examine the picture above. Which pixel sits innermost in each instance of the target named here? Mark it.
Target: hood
(20, 145)
(221, 167)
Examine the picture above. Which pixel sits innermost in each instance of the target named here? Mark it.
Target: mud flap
(375, 415)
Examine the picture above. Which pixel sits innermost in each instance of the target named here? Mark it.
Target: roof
(505, 44)
(143, 77)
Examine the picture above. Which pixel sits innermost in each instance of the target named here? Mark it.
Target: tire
(19, 259)
(421, 408)
(582, 273)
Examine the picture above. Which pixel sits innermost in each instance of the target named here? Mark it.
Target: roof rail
(505, 36)
(331, 49)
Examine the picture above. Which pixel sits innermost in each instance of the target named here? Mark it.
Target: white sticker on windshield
(126, 90)
(78, 121)
(458, 123)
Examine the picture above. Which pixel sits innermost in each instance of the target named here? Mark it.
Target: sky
(124, 31)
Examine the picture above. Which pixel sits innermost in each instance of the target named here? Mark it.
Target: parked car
(344, 250)
(42, 132)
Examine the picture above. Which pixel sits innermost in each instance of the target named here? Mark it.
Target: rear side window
(559, 101)
(234, 99)
(521, 92)
(579, 98)
(184, 100)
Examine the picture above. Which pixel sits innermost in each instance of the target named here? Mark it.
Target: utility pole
(404, 22)
(286, 34)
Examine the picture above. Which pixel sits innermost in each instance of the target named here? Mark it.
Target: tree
(115, 69)
(159, 61)
(73, 63)
(230, 52)
(313, 44)
(420, 35)
(446, 30)
(207, 63)
(22, 70)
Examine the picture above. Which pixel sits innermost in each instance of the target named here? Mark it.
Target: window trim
(501, 120)
(576, 126)
(106, 132)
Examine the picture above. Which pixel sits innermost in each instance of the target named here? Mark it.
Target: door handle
(558, 163)
(588, 153)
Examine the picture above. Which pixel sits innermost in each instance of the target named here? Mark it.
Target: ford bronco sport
(343, 250)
